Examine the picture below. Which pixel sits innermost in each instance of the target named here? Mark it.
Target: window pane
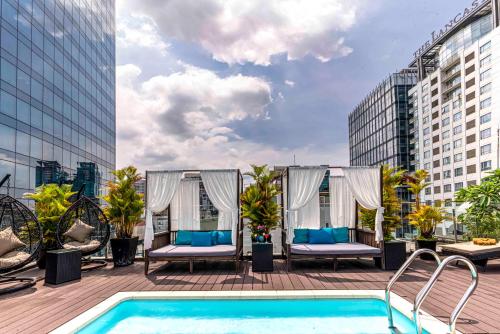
(22, 143)
(7, 138)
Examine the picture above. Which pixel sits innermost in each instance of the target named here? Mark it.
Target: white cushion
(13, 258)
(9, 241)
(79, 231)
(352, 248)
(87, 246)
(187, 250)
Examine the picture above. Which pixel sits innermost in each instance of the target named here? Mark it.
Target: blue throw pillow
(224, 238)
(183, 238)
(201, 239)
(321, 236)
(341, 234)
(215, 235)
(301, 236)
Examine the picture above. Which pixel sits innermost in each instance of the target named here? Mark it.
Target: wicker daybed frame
(166, 238)
(356, 235)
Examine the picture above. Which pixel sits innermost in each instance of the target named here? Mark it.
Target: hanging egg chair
(84, 227)
(20, 241)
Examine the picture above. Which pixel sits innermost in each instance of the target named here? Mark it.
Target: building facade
(57, 92)
(378, 126)
(455, 113)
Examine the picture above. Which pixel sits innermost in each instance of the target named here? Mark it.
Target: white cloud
(184, 120)
(253, 31)
(289, 83)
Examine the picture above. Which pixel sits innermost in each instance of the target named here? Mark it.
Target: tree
(392, 179)
(125, 205)
(482, 218)
(51, 202)
(258, 202)
(426, 218)
(416, 184)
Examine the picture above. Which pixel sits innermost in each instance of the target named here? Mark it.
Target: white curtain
(161, 187)
(303, 186)
(364, 183)
(308, 216)
(185, 206)
(342, 203)
(222, 189)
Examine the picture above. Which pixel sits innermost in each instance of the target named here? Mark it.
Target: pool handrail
(398, 274)
(429, 285)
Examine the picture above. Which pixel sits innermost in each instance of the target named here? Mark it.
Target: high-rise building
(57, 89)
(455, 114)
(379, 131)
(378, 126)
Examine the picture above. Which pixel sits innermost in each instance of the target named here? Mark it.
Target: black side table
(262, 256)
(63, 265)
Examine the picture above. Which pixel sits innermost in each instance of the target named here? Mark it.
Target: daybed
(20, 242)
(478, 254)
(347, 188)
(178, 192)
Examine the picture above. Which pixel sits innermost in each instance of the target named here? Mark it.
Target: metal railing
(398, 274)
(427, 288)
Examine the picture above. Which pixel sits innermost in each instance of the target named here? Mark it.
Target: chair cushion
(183, 237)
(353, 248)
(321, 236)
(12, 259)
(224, 238)
(79, 231)
(301, 236)
(176, 250)
(341, 234)
(9, 241)
(86, 246)
(201, 239)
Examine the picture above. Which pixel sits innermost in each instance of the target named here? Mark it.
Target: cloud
(290, 83)
(253, 31)
(187, 120)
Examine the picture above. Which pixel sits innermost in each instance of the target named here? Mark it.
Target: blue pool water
(248, 316)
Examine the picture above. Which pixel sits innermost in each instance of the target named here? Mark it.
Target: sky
(225, 84)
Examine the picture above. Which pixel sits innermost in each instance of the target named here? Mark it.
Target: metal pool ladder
(424, 292)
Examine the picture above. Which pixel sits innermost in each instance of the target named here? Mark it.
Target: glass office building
(57, 93)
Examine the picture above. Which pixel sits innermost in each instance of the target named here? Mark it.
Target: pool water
(248, 316)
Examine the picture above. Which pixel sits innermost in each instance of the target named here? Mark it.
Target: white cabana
(347, 186)
(168, 189)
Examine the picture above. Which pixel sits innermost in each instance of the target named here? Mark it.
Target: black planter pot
(124, 250)
(262, 256)
(394, 255)
(429, 244)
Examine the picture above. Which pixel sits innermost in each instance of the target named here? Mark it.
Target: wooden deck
(44, 308)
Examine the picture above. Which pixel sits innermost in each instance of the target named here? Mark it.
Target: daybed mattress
(181, 250)
(470, 248)
(352, 248)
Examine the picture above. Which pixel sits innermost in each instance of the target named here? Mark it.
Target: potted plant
(425, 219)
(394, 251)
(51, 202)
(124, 209)
(260, 208)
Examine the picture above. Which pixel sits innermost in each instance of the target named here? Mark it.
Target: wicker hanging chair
(20, 229)
(85, 211)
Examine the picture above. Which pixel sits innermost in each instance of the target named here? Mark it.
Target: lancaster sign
(452, 23)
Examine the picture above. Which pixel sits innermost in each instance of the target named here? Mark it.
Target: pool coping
(429, 323)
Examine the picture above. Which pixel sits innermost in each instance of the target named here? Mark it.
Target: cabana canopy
(168, 189)
(347, 186)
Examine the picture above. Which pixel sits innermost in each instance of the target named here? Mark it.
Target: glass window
(36, 118)
(446, 134)
(7, 104)
(446, 174)
(485, 74)
(8, 72)
(457, 157)
(7, 138)
(485, 88)
(9, 42)
(457, 116)
(9, 13)
(486, 165)
(485, 47)
(427, 154)
(459, 171)
(23, 143)
(23, 111)
(459, 185)
(24, 53)
(447, 188)
(48, 124)
(486, 133)
(446, 147)
(457, 143)
(485, 149)
(446, 160)
(36, 147)
(485, 61)
(485, 118)
(48, 151)
(445, 109)
(36, 90)
(22, 176)
(7, 167)
(457, 129)
(427, 166)
(485, 103)
(427, 131)
(23, 81)
(445, 121)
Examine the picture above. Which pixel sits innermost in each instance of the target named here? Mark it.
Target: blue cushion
(321, 236)
(214, 235)
(183, 238)
(341, 234)
(301, 236)
(201, 239)
(224, 238)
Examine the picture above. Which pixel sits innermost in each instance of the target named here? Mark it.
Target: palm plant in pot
(51, 202)
(124, 209)
(260, 208)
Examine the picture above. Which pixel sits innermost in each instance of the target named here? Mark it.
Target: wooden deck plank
(44, 308)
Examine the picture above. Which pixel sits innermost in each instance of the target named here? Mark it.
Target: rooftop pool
(357, 313)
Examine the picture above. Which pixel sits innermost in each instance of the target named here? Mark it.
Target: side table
(63, 265)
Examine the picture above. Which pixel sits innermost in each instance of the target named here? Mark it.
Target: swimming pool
(295, 312)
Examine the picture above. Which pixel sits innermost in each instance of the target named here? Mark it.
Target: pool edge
(429, 323)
